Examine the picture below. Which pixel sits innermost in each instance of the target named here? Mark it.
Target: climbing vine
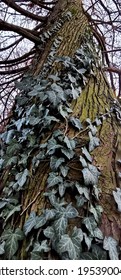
(38, 133)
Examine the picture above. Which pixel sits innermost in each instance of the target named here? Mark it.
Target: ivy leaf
(41, 247)
(11, 244)
(99, 253)
(36, 256)
(62, 189)
(69, 143)
(56, 162)
(54, 179)
(40, 221)
(52, 146)
(71, 212)
(110, 244)
(15, 209)
(22, 177)
(83, 161)
(98, 233)
(63, 110)
(88, 240)
(68, 153)
(117, 197)
(13, 147)
(83, 191)
(90, 175)
(94, 142)
(80, 200)
(30, 223)
(86, 153)
(64, 170)
(19, 123)
(94, 212)
(72, 244)
(76, 123)
(60, 225)
(2, 248)
(90, 224)
(74, 92)
(49, 232)
(9, 135)
(12, 160)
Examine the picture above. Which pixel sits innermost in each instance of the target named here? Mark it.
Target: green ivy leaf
(60, 225)
(71, 212)
(49, 232)
(14, 210)
(54, 179)
(11, 244)
(83, 191)
(22, 177)
(56, 162)
(69, 143)
(87, 155)
(41, 247)
(72, 244)
(30, 223)
(40, 221)
(64, 170)
(76, 123)
(2, 248)
(94, 142)
(110, 244)
(68, 153)
(90, 224)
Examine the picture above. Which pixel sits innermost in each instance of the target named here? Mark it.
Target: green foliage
(42, 104)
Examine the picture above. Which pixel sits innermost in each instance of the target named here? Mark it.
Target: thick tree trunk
(69, 31)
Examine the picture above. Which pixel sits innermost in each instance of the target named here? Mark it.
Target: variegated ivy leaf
(80, 200)
(64, 110)
(39, 221)
(110, 244)
(98, 233)
(2, 248)
(64, 170)
(96, 191)
(54, 179)
(94, 142)
(21, 177)
(71, 244)
(83, 190)
(30, 223)
(52, 146)
(68, 153)
(98, 121)
(56, 162)
(60, 225)
(88, 240)
(62, 189)
(94, 212)
(76, 123)
(49, 232)
(74, 92)
(71, 212)
(14, 210)
(12, 237)
(87, 154)
(83, 161)
(90, 175)
(90, 224)
(69, 143)
(41, 247)
(117, 197)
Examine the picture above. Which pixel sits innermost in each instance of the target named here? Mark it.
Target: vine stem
(30, 203)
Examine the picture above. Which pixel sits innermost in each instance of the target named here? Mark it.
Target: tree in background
(60, 151)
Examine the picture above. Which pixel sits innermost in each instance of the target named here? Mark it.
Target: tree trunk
(69, 141)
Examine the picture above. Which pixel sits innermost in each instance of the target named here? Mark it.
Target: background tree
(60, 174)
